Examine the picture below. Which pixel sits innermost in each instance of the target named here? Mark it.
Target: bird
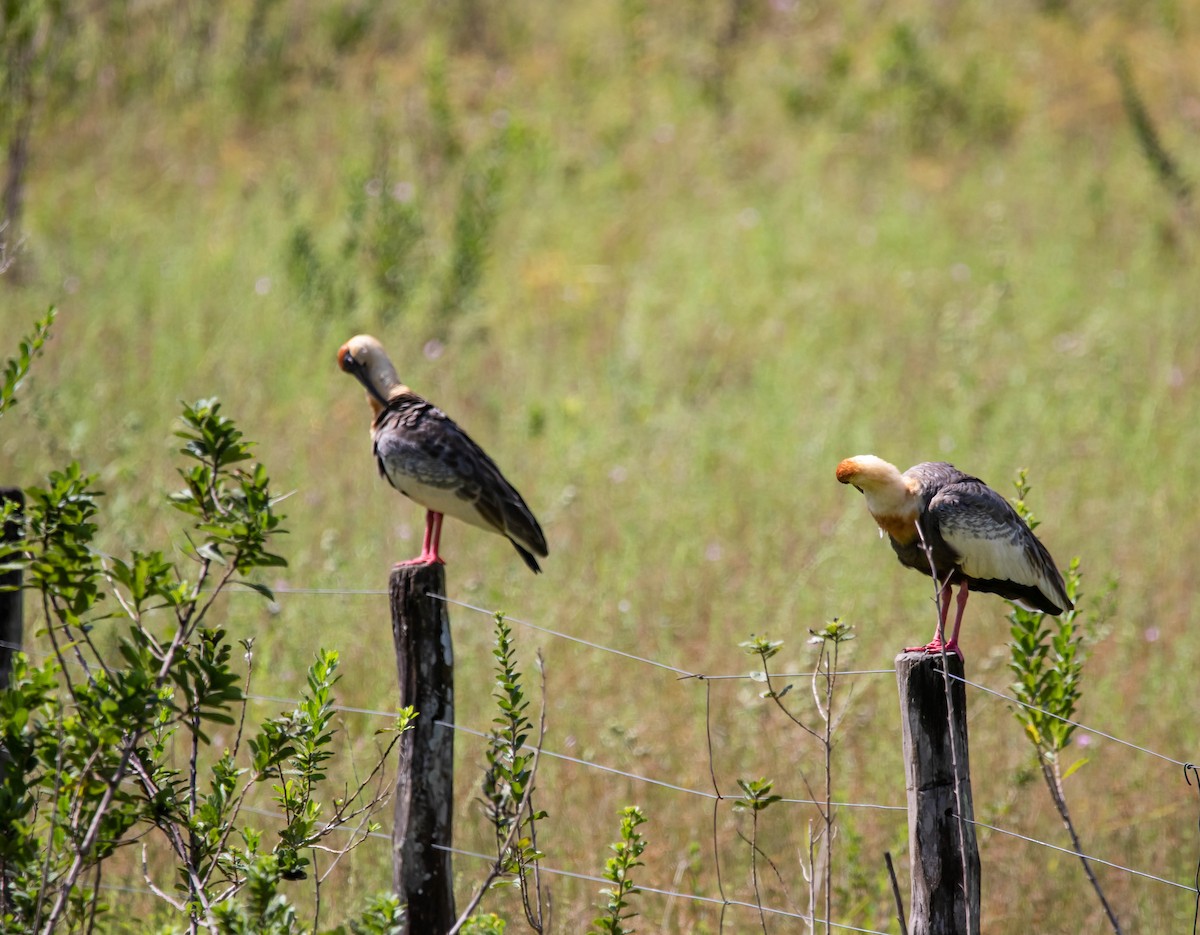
(953, 525)
(425, 455)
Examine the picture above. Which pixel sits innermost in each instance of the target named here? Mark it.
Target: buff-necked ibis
(974, 537)
(429, 459)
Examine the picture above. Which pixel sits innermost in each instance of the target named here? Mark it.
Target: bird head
(364, 359)
(887, 490)
(863, 471)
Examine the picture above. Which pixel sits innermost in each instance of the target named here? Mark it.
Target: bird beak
(351, 366)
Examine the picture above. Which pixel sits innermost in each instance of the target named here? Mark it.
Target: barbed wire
(751, 676)
(685, 674)
(553, 871)
(712, 796)
(674, 894)
(348, 709)
(755, 677)
(1067, 720)
(700, 793)
(980, 824)
(703, 677)
(590, 764)
(576, 875)
(1074, 853)
(566, 636)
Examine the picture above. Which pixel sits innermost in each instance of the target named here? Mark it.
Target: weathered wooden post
(422, 873)
(12, 622)
(942, 850)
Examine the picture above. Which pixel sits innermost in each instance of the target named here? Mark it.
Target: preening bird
(974, 537)
(429, 459)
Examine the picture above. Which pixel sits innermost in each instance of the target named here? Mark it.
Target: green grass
(684, 319)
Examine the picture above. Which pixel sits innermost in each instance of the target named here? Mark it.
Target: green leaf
(17, 368)
(260, 588)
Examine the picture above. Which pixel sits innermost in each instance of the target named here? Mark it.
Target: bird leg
(952, 646)
(429, 545)
(436, 540)
(936, 645)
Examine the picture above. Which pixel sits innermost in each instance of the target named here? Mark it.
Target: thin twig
(830, 679)
(95, 898)
(186, 625)
(537, 875)
(497, 869)
(762, 916)
(812, 879)
(887, 859)
(154, 887)
(712, 772)
(317, 878)
(44, 888)
(1054, 781)
(1189, 770)
(774, 696)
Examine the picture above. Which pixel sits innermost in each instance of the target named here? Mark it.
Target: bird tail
(528, 556)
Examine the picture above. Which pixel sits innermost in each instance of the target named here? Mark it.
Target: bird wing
(426, 456)
(993, 542)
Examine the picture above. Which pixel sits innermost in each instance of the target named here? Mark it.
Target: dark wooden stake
(12, 623)
(942, 850)
(422, 873)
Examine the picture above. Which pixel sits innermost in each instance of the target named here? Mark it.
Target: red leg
(428, 538)
(436, 539)
(429, 545)
(936, 645)
(952, 646)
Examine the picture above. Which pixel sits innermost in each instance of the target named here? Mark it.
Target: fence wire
(674, 894)
(686, 674)
(702, 677)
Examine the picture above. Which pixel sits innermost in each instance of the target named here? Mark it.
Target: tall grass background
(668, 264)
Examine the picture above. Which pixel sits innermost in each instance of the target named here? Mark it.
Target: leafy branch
(1048, 665)
(508, 787)
(17, 368)
(828, 641)
(110, 739)
(756, 797)
(617, 869)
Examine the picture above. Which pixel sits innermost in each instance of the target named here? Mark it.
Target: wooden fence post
(422, 874)
(942, 850)
(12, 623)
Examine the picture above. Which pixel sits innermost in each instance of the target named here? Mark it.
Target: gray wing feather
(992, 540)
(416, 440)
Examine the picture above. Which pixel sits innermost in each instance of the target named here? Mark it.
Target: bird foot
(421, 560)
(937, 646)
